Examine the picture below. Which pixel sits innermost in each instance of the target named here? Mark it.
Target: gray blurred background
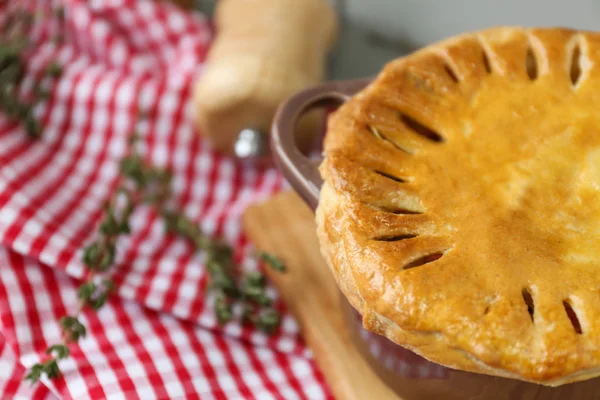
(375, 31)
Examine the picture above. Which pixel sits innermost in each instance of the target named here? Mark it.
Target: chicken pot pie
(460, 212)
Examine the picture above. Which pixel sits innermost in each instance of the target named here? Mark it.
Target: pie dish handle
(301, 171)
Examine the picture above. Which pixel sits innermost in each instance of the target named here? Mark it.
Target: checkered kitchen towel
(158, 338)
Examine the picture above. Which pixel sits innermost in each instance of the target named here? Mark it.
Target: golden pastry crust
(461, 207)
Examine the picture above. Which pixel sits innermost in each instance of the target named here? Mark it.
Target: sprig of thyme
(249, 292)
(14, 42)
(272, 261)
(99, 256)
(143, 183)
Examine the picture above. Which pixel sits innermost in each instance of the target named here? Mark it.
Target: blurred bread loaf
(265, 51)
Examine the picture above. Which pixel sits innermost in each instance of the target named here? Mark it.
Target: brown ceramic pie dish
(458, 208)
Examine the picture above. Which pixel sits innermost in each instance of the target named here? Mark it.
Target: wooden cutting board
(285, 226)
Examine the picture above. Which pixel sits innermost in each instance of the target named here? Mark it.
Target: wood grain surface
(285, 226)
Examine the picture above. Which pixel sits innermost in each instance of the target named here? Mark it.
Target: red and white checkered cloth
(158, 338)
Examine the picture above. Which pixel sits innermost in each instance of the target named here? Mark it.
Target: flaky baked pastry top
(461, 207)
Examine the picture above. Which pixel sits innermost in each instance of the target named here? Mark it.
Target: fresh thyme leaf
(86, 291)
(221, 252)
(247, 311)
(263, 300)
(109, 285)
(124, 227)
(170, 219)
(41, 92)
(221, 280)
(255, 278)
(32, 127)
(108, 257)
(11, 108)
(91, 254)
(35, 373)
(267, 321)
(179, 224)
(54, 69)
(89, 293)
(223, 309)
(131, 167)
(99, 255)
(100, 300)
(273, 261)
(72, 328)
(51, 369)
(156, 196)
(61, 351)
(24, 111)
(188, 229)
(13, 72)
(257, 295)
(110, 225)
(9, 53)
(67, 322)
(254, 289)
(160, 175)
(79, 331)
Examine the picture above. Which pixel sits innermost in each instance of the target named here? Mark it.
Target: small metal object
(300, 171)
(251, 144)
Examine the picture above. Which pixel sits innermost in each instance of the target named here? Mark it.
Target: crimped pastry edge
(437, 350)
